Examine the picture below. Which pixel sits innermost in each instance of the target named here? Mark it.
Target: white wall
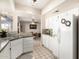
(51, 6)
(42, 21)
(28, 10)
(15, 23)
(61, 6)
(27, 29)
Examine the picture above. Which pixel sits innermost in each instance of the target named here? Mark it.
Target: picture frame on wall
(33, 26)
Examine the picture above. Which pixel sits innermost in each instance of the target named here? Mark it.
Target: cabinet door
(16, 48)
(52, 42)
(5, 53)
(66, 39)
(28, 44)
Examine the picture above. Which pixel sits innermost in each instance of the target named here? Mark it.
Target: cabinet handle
(10, 48)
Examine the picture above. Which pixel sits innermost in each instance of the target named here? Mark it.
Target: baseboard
(23, 54)
(50, 51)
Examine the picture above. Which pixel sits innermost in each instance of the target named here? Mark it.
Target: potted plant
(3, 33)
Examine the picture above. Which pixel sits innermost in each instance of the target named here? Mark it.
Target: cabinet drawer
(16, 42)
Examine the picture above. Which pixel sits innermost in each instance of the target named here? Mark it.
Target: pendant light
(33, 22)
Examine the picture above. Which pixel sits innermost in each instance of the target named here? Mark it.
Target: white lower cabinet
(16, 48)
(27, 44)
(5, 53)
(20, 46)
(51, 44)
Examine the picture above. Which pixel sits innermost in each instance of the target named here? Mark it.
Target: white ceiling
(39, 4)
(6, 5)
(28, 17)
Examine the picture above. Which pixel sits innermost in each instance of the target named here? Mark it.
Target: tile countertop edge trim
(4, 46)
(13, 40)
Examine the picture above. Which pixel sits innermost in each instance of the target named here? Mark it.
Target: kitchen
(50, 25)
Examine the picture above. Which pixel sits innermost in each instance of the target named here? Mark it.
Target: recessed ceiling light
(57, 11)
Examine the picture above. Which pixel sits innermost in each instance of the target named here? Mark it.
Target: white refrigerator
(68, 36)
(64, 26)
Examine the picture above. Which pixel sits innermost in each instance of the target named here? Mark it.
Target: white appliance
(64, 25)
(68, 36)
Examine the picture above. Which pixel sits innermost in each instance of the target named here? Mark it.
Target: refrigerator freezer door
(66, 39)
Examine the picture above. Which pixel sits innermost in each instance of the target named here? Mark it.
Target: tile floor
(26, 56)
(39, 52)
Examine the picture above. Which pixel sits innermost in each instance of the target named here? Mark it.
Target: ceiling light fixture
(33, 22)
(34, 1)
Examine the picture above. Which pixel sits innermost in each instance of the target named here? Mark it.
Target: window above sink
(6, 22)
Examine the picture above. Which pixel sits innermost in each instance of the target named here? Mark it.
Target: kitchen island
(13, 47)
